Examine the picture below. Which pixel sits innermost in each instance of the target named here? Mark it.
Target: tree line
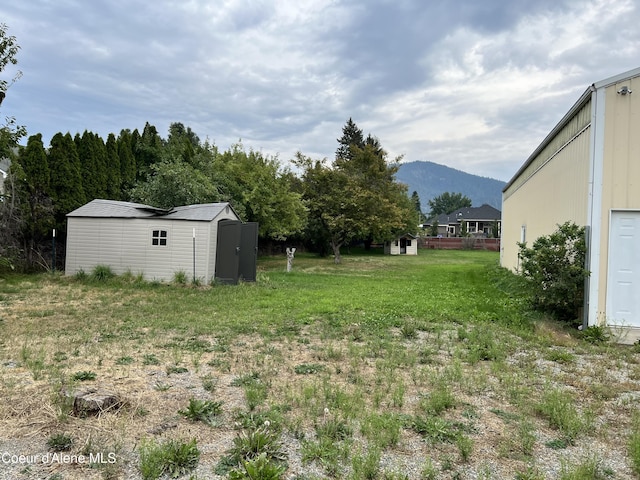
(325, 205)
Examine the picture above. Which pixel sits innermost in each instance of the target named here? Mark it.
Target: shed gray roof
(99, 208)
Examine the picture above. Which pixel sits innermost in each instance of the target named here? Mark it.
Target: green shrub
(555, 266)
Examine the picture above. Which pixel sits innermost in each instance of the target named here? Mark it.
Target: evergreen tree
(147, 150)
(351, 137)
(114, 182)
(415, 200)
(66, 189)
(88, 168)
(127, 161)
(36, 209)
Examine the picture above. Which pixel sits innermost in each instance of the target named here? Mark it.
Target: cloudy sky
(471, 84)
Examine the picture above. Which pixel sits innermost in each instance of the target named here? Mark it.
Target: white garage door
(623, 281)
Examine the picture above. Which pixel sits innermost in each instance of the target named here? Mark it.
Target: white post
(290, 253)
(194, 255)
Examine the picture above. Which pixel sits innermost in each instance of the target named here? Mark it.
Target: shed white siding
(125, 244)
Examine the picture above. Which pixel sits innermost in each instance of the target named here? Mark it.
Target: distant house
(208, 238)
(476, 221)
(406, 244)
(586, 171)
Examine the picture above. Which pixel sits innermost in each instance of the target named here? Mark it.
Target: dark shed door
(228, 251)
(249, 251)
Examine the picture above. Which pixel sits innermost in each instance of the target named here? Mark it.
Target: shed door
(249, 251)
(228, 251)
(623, 280)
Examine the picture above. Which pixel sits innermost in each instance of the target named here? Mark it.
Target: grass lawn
(427, 367)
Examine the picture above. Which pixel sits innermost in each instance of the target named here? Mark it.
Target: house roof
(485, 213)
(99, 208)
(582, 101)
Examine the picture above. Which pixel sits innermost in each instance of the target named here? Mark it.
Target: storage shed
(406, 244)
(587, 171)
(207, 241)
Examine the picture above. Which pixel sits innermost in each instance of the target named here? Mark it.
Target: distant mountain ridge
(432, 179)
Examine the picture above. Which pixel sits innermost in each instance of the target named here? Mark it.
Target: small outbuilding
(406, 244)
(206, 241)
(586, 171)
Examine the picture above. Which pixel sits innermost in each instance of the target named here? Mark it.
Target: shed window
(159, 238)
(408, 242)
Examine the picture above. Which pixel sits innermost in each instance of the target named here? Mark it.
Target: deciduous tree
(448, 202)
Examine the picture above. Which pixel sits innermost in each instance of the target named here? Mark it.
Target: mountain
(432, 179)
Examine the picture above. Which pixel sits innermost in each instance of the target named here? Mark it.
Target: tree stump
(93, 402)
(290, 253)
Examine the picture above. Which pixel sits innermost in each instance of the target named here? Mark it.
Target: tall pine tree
(114, 182)
(65, 189)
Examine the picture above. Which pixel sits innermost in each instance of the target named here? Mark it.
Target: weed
(465, 447)
(162, 387)
(209, 383)
(439, 400)
(150, 359)
(590, 468)
(408, 330)
(560, 356)
(559, 409)
(60, 442)
(366, 466)
(102, 273)
(172, 458)
(428, 470)
(435, 429)
(180, 277)
(84, 376)
(176, 369)
(327, 452)
(308, 368)
(596, 334)
(633, 445)
(204, 411)
(259, 467)
(382, 429)
(251, 444)
(125, 360)
(334, 429)
(59, 357)
(531, 473)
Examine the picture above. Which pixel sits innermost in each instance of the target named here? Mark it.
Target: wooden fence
(458, 243)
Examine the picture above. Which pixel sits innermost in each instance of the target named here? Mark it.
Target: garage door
(623, 280)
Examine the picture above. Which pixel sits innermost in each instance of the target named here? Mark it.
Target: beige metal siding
(541, 198)
(621, 169)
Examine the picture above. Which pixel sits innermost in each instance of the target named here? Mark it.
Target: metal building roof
(99, 208)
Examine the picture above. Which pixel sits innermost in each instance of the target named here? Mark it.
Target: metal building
(587, 170)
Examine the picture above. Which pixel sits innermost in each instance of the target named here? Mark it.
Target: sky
(473, 85)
